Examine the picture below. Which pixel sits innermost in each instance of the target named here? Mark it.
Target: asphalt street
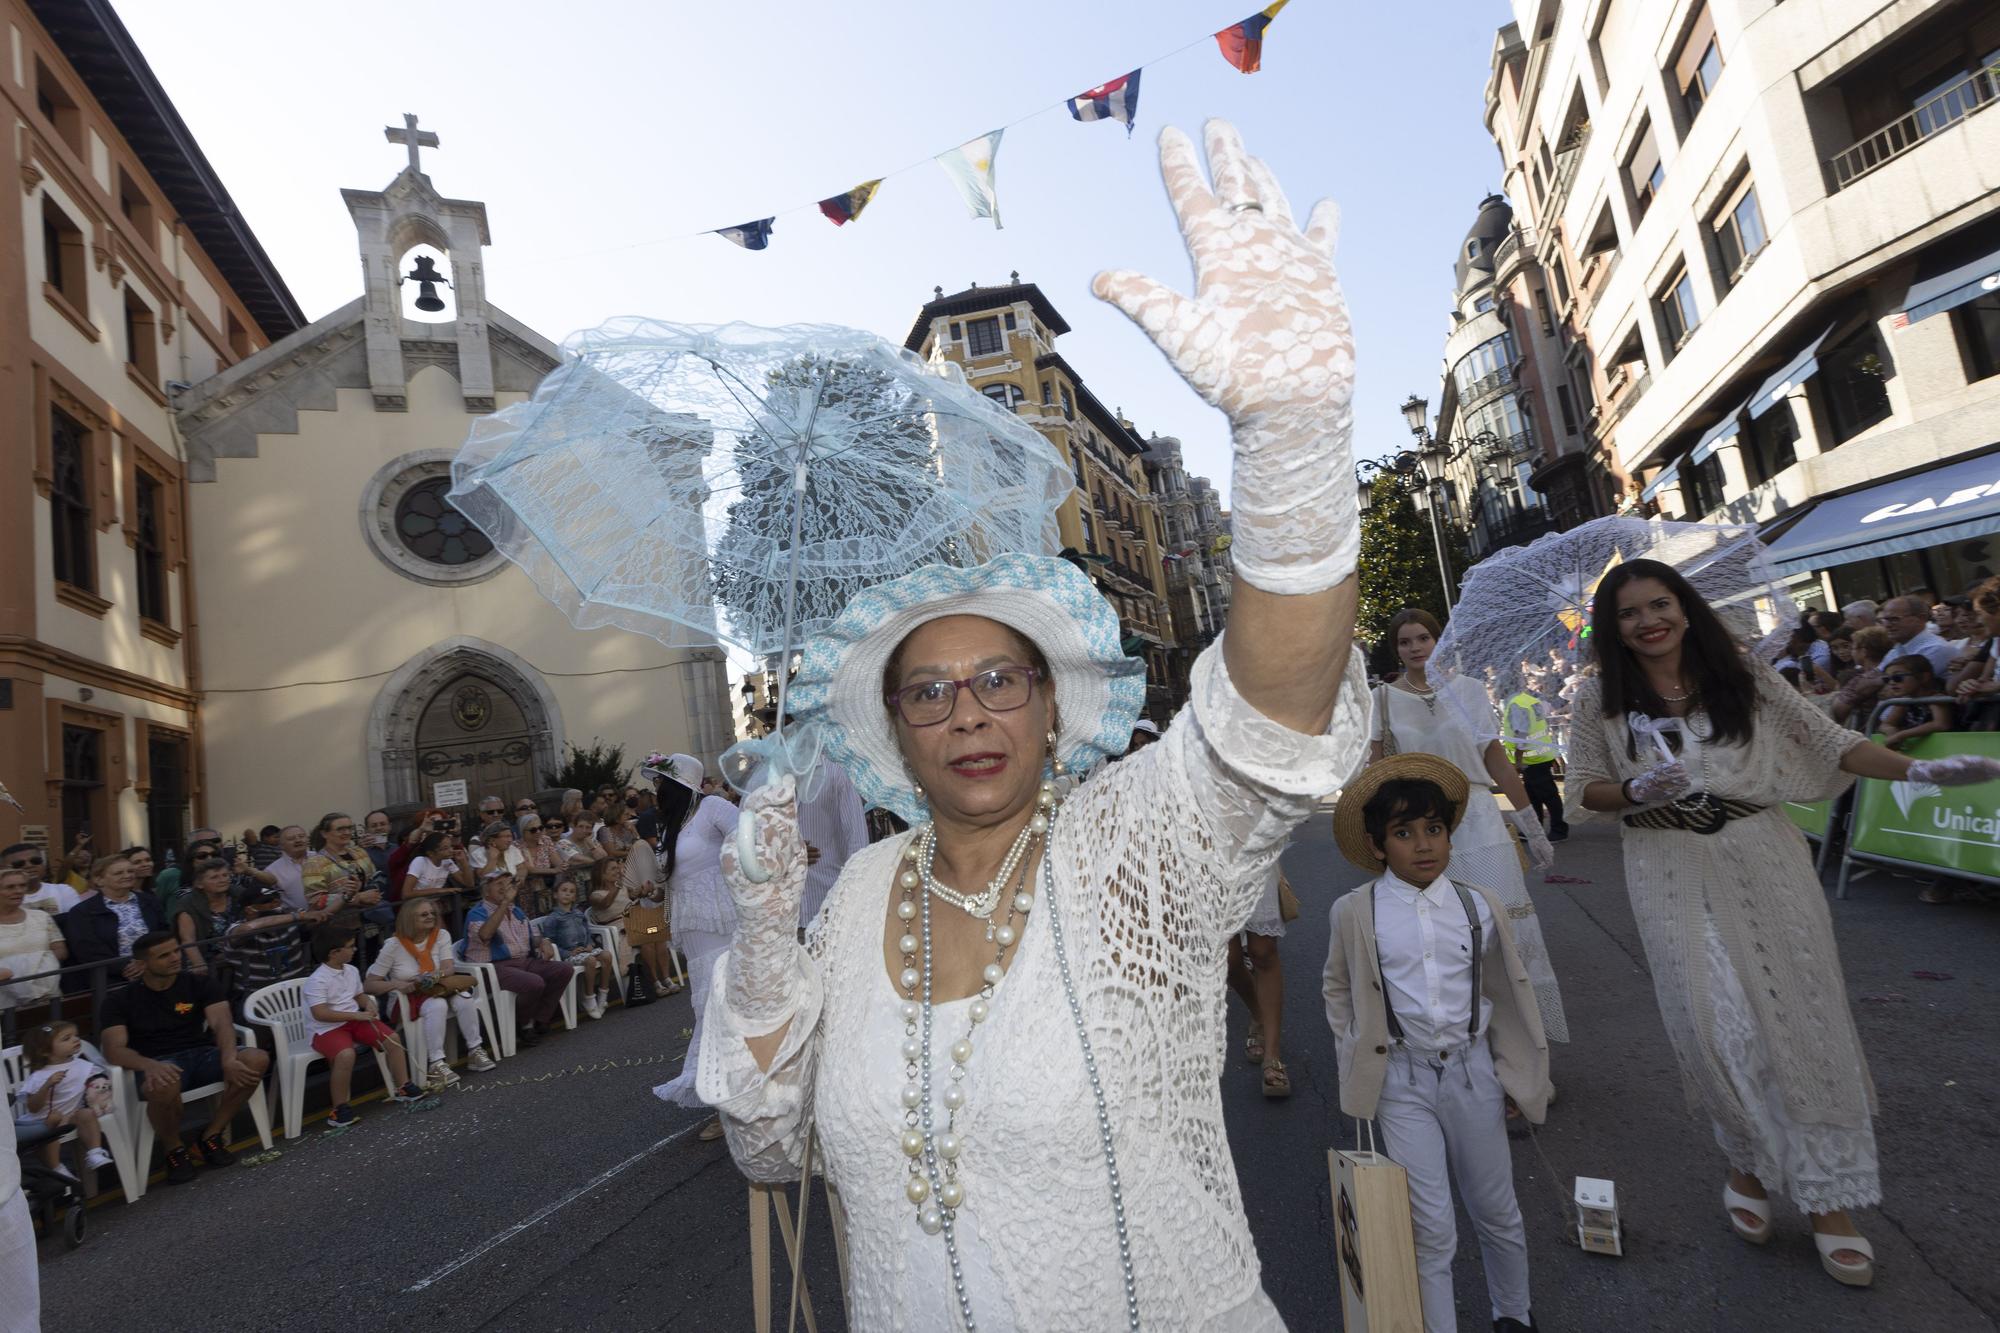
(557, 1193)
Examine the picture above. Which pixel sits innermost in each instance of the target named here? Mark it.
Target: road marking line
(549, 1210)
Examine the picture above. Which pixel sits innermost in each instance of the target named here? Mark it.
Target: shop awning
(1661, 482)
(1951, 503)
(1948, 278)
(1718, 435)
(1788, 376)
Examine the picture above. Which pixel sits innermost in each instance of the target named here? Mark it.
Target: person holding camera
(339, 875)
(498, 932)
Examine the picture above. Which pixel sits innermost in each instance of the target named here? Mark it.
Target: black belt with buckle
(1696, 813)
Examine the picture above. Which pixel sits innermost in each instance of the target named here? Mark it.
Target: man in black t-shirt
(174, 1029)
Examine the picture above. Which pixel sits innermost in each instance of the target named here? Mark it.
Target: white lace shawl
(1158, 860)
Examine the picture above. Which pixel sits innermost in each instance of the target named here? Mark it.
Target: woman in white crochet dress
(1724, 893)
(693, 828)
(1005, 1029)
(1419, 715)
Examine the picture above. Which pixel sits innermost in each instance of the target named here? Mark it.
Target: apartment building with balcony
(1003, 338)
(1772, 238)
(1194, 558)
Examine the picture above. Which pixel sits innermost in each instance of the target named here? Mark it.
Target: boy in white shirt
(1435, 1026)
(342, 1016)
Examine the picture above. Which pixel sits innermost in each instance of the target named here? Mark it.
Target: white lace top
(701, 900)
(1157, 860)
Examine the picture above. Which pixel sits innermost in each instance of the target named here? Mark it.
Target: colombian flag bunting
(844, 208)
(1243, 43)
(1117, 100)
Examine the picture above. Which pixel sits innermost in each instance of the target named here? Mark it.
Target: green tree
(586, 770)
(1399, 566)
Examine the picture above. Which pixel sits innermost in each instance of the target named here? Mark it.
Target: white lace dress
(704, 917)
(1157, 861)
(1482, 849)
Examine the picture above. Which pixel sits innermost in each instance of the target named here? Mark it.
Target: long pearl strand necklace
(933, 1187)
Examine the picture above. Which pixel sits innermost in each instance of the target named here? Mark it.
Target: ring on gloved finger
(1247, 206)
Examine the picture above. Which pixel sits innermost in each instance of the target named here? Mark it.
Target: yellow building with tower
(1004, 339)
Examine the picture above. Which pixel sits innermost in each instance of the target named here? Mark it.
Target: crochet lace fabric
(1158, 860)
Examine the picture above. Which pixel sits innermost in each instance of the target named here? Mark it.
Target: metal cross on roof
(412, 137)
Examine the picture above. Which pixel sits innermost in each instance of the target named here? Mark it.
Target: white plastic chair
(497, 1005)
(117, 1127)
(142, 1137)
(420, 1053)
(281, 1008)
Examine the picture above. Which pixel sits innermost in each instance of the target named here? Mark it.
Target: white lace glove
(1541, 852)
(1955, 770)
(763, 965)
(1664, 781)
(1265, 338)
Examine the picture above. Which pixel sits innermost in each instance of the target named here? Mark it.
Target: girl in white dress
(1418, 715)
(1005, 1029)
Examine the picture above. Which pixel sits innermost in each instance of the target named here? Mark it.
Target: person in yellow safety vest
(1530, 743)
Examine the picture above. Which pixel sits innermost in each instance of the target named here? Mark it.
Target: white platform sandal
(1848, 1275)
(1732, 1203)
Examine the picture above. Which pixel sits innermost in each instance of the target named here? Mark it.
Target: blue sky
(599, 141)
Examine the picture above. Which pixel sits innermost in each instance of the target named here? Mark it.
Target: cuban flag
(750, 235)
(1243, 43)
(1117, 100)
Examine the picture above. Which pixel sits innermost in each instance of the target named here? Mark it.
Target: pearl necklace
(933, 1187)
(985, 903)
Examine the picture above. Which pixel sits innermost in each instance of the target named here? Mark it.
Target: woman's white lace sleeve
(1252, 780)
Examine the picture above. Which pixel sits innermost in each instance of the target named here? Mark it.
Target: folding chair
(281, 1008)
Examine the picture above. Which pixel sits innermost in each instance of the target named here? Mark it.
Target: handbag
(1389, 746)
(1374, 1246)
(1288, 902)
(645, 921)
(447, 984)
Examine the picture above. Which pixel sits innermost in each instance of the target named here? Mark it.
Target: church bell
(427, 278)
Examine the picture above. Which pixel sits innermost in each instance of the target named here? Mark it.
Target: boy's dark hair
(152, 940)
(268, 832)
(1915, 663)
(1405, 798)
(328, 938)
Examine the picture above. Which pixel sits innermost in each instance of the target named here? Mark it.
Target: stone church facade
(234, 593)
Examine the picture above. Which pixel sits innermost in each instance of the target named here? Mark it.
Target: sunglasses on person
(26, 863)
(929, 702)
(1897, 678)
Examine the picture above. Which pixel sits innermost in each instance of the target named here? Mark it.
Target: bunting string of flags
(970, 165)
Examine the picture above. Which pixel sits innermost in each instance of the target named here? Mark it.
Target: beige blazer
(1352, 985)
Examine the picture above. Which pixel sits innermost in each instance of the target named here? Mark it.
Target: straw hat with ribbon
(1348, 830)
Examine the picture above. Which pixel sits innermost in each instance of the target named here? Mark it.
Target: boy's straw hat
(1348, 831)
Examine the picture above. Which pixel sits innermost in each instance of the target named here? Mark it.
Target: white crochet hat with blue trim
(1048, 601)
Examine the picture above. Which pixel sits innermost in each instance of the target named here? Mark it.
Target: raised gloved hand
(1541, 852)
(1955, 770)
(762, 962)
(1664, 781)
(1266, 338)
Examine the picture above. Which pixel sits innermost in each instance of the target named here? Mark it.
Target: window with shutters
(1698, 64)
(70, 525)
(1643, 171)
(149, 545)
(1676, 306)
(1739, 232)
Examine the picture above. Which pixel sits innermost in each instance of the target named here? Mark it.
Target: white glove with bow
(1664, 781)
(1266, 338)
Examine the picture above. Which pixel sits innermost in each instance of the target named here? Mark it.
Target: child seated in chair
(1435, 1026)
(342, 1016)
(63, 1091)
(568, 928)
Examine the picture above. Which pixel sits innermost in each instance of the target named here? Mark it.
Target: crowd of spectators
(1864, 660)
(389, 926)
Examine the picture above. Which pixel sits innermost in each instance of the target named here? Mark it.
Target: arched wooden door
(472, 728)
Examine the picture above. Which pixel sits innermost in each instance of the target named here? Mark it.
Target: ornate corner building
(1004, 339)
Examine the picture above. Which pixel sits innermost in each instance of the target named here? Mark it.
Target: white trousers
(20, 1283)
(430, 1017)
(1445, 1123)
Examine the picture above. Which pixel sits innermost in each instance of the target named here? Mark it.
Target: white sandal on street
(1848, 1275)
(1732, 1203)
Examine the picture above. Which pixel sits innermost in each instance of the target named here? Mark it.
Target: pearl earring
(1055, 760)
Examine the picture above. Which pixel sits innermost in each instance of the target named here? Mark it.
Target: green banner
(1811, 819)
(1954, 829)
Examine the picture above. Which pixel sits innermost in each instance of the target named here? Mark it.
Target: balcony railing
(1568, 158)
(1486, 386)
(1940, 113)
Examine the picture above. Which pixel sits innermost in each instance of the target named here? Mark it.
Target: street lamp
(1433, 458)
